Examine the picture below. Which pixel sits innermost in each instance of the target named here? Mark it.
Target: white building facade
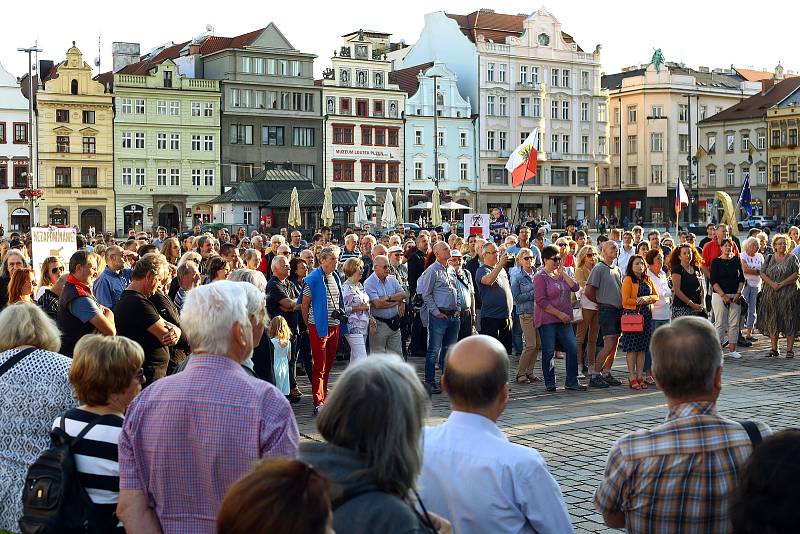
(452, 149)
(14, 152)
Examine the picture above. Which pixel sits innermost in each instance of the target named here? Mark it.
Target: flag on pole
(750, 149)
(701, 152)
(681, 198)
(522, 163)
(745, 197)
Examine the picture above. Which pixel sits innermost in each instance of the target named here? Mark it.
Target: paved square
(574, 431)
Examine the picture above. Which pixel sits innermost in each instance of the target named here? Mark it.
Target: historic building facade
(167, 146)
(364, 143)
(655, 112)
(734, 146)
(15, 134)
(76, 142)
(783, 197)
(452, 149)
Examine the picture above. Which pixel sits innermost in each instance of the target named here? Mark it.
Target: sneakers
(317, 409)
(733, 354)
(742, 341)
(611, 381)
(597, 382)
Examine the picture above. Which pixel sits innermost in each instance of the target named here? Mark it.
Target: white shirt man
(472, 475)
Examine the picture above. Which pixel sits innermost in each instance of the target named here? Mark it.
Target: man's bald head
(475, 372)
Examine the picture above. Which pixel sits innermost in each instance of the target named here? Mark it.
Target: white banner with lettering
(52, 242)
(368, 153)
(476, 223)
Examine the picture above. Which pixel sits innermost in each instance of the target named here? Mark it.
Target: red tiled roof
(407, 78)
(495, 26)
(757, 105)
(143, 66)
(215, 44)
(758, 75)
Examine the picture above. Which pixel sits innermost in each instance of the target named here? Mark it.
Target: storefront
(783, 204)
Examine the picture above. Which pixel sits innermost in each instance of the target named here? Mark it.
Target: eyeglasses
(556, 259)
(526, 258)
(56, 270)
(140, 375)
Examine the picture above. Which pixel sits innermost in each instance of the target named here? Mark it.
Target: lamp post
(30, 175)
(690, 159)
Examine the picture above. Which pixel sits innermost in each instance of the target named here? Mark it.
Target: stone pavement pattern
(574, 431)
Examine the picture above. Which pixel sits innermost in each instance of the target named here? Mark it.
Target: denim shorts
(609, 318)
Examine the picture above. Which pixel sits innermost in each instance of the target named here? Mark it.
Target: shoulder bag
(632, 323)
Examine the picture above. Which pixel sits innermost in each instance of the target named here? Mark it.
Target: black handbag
(393, 323)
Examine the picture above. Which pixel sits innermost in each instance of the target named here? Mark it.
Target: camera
(339, 315)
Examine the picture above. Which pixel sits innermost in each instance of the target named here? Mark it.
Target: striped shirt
(331, 297)
(678, 477)
(96, 460)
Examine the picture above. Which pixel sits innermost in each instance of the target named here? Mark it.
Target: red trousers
(323, 354)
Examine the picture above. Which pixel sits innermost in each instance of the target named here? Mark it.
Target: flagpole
(519, 198)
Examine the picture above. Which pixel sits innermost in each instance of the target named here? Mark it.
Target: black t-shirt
(133, 315)
(690, 286)
(276, 292)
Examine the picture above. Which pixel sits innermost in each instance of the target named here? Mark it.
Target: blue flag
(745, 197)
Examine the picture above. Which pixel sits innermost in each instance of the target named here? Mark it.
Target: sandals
(533, 378)
(773, 354)
(649, 380)
(634, 384)
(790, 354)
(522, 379)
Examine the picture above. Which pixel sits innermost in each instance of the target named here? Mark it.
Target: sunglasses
(556, 259)
(591, 254)
(527, 258)
(56, 270)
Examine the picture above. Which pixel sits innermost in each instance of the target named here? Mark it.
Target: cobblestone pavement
(574, 431)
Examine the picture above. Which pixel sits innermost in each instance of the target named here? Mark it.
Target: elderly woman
(171, 249)
(522, 292)
(190, 256)
(568, 259)
(661, 308)
(590, 323)
(52, 269)
(553, 317)
(752, 261)
(372, 427)
(251, 258)
(21, 286)
(106, 375)
(778, 307)
(260, 363)
(356, 305)
(13, 260)
(35, 390)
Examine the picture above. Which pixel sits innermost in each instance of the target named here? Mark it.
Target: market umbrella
(294, 210)
(436, 209)
(422, 206)
(389, 218)
(398, 202)
(327, 207)
(361, 210)
(454, 206)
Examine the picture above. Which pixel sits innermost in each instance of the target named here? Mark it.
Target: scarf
(82, 289)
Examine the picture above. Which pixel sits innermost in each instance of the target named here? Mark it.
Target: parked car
(759, 221)
(411, 226)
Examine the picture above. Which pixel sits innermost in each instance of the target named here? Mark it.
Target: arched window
(74, 87)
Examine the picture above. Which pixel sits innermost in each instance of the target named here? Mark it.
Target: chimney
(124, 54)
(767, 84)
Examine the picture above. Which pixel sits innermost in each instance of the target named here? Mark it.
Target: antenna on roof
(97, 59)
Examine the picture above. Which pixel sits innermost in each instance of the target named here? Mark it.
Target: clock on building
(544, 39)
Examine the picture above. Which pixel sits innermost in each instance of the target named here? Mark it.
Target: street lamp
(690, 159)
(30, 175)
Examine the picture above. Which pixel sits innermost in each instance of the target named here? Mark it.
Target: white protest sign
(52, 242)
(476, 223)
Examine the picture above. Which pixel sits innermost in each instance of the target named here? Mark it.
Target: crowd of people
(176, 361)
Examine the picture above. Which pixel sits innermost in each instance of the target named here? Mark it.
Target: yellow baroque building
(76, 148)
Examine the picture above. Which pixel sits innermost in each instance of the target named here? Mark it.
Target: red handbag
(632, 323)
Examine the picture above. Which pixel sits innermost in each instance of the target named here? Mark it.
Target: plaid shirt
(189, 436)
(678, 477)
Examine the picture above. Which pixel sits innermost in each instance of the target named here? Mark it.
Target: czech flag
(522, 163)
(681, 198)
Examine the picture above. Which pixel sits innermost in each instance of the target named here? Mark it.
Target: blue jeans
(442, 333)
(648, 357)
(516, 333)
(548, 334)
(750, 295)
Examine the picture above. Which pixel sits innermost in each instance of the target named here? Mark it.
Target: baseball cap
(455, 253)
(394, 248)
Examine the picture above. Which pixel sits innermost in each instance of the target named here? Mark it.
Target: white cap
(455, 253)
(394, 248)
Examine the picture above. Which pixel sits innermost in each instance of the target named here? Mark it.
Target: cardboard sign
(476, 223)
(48, 242)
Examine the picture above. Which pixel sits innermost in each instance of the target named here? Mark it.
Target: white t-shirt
(753, 262)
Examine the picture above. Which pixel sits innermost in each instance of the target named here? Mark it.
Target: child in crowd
(281, 335)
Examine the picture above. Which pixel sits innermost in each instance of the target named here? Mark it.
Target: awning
(313, 198)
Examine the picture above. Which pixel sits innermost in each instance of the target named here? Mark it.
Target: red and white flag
(522, 163)
(681, 198)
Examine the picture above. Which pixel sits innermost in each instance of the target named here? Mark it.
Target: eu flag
(745, 197)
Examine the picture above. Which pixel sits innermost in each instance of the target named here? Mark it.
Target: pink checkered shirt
(677, 478)
(189, 436)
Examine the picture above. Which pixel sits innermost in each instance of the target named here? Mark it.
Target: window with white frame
(174, 108)
(602, 146)
(525, 106)
(712, 143)
(175, 141)
(761, 140)
(248, 216)
(261, 99)
(464, 170)
(127, 138)
(503, 105)
(745, 174)
(602, 112)
(490, 105)
(565, 76)
(712, 177)
(501, 73)
(656, 112)
(729, 176)
(138, 140)
(501, 136)
(418, 170)
(745, 142)
(554, 109)
(417, 137)
(632, 175)
(523, 136)
(490, 140)
(565, 110)
(523, 74)
(127, 176)
(174, 177)
(294, 68)
(441, 138)
(683, 143)
(258, 65)
(196, 142)
(554, 143)
(441, 173)
(534, 74)
(683, 112)
(565, 144)
(141, 176)
(196, 109)
(585, 84)
(196, 177)
(617, 145)
(208, 109)
(161, 107)
(283, 67)
(303, 137)
(247, 98)
(208, 143)
(584, 111)
(632, 144)
(272, 66)
(537, 107)
(631, 114)
(761, 175)
(462, 139)
(138, 106)
(161, 141)
(554, 77)
(247, 64)
(161, 177)
(236, 98)
(127, 105)
(584, 144)
(208, 174)
(656, 142)
(656, 174)
(730, 142)
(490, 72)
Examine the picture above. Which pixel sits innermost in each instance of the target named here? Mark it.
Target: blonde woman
(52, 269)
(356, 305)
(587, 259)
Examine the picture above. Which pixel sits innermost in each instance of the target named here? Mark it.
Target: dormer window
(361, 51)
(544, 39)
(168, 78)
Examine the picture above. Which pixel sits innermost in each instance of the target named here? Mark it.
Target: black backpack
(53, 498)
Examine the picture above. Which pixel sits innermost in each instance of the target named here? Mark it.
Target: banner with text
(47, 242)
(476, 223)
